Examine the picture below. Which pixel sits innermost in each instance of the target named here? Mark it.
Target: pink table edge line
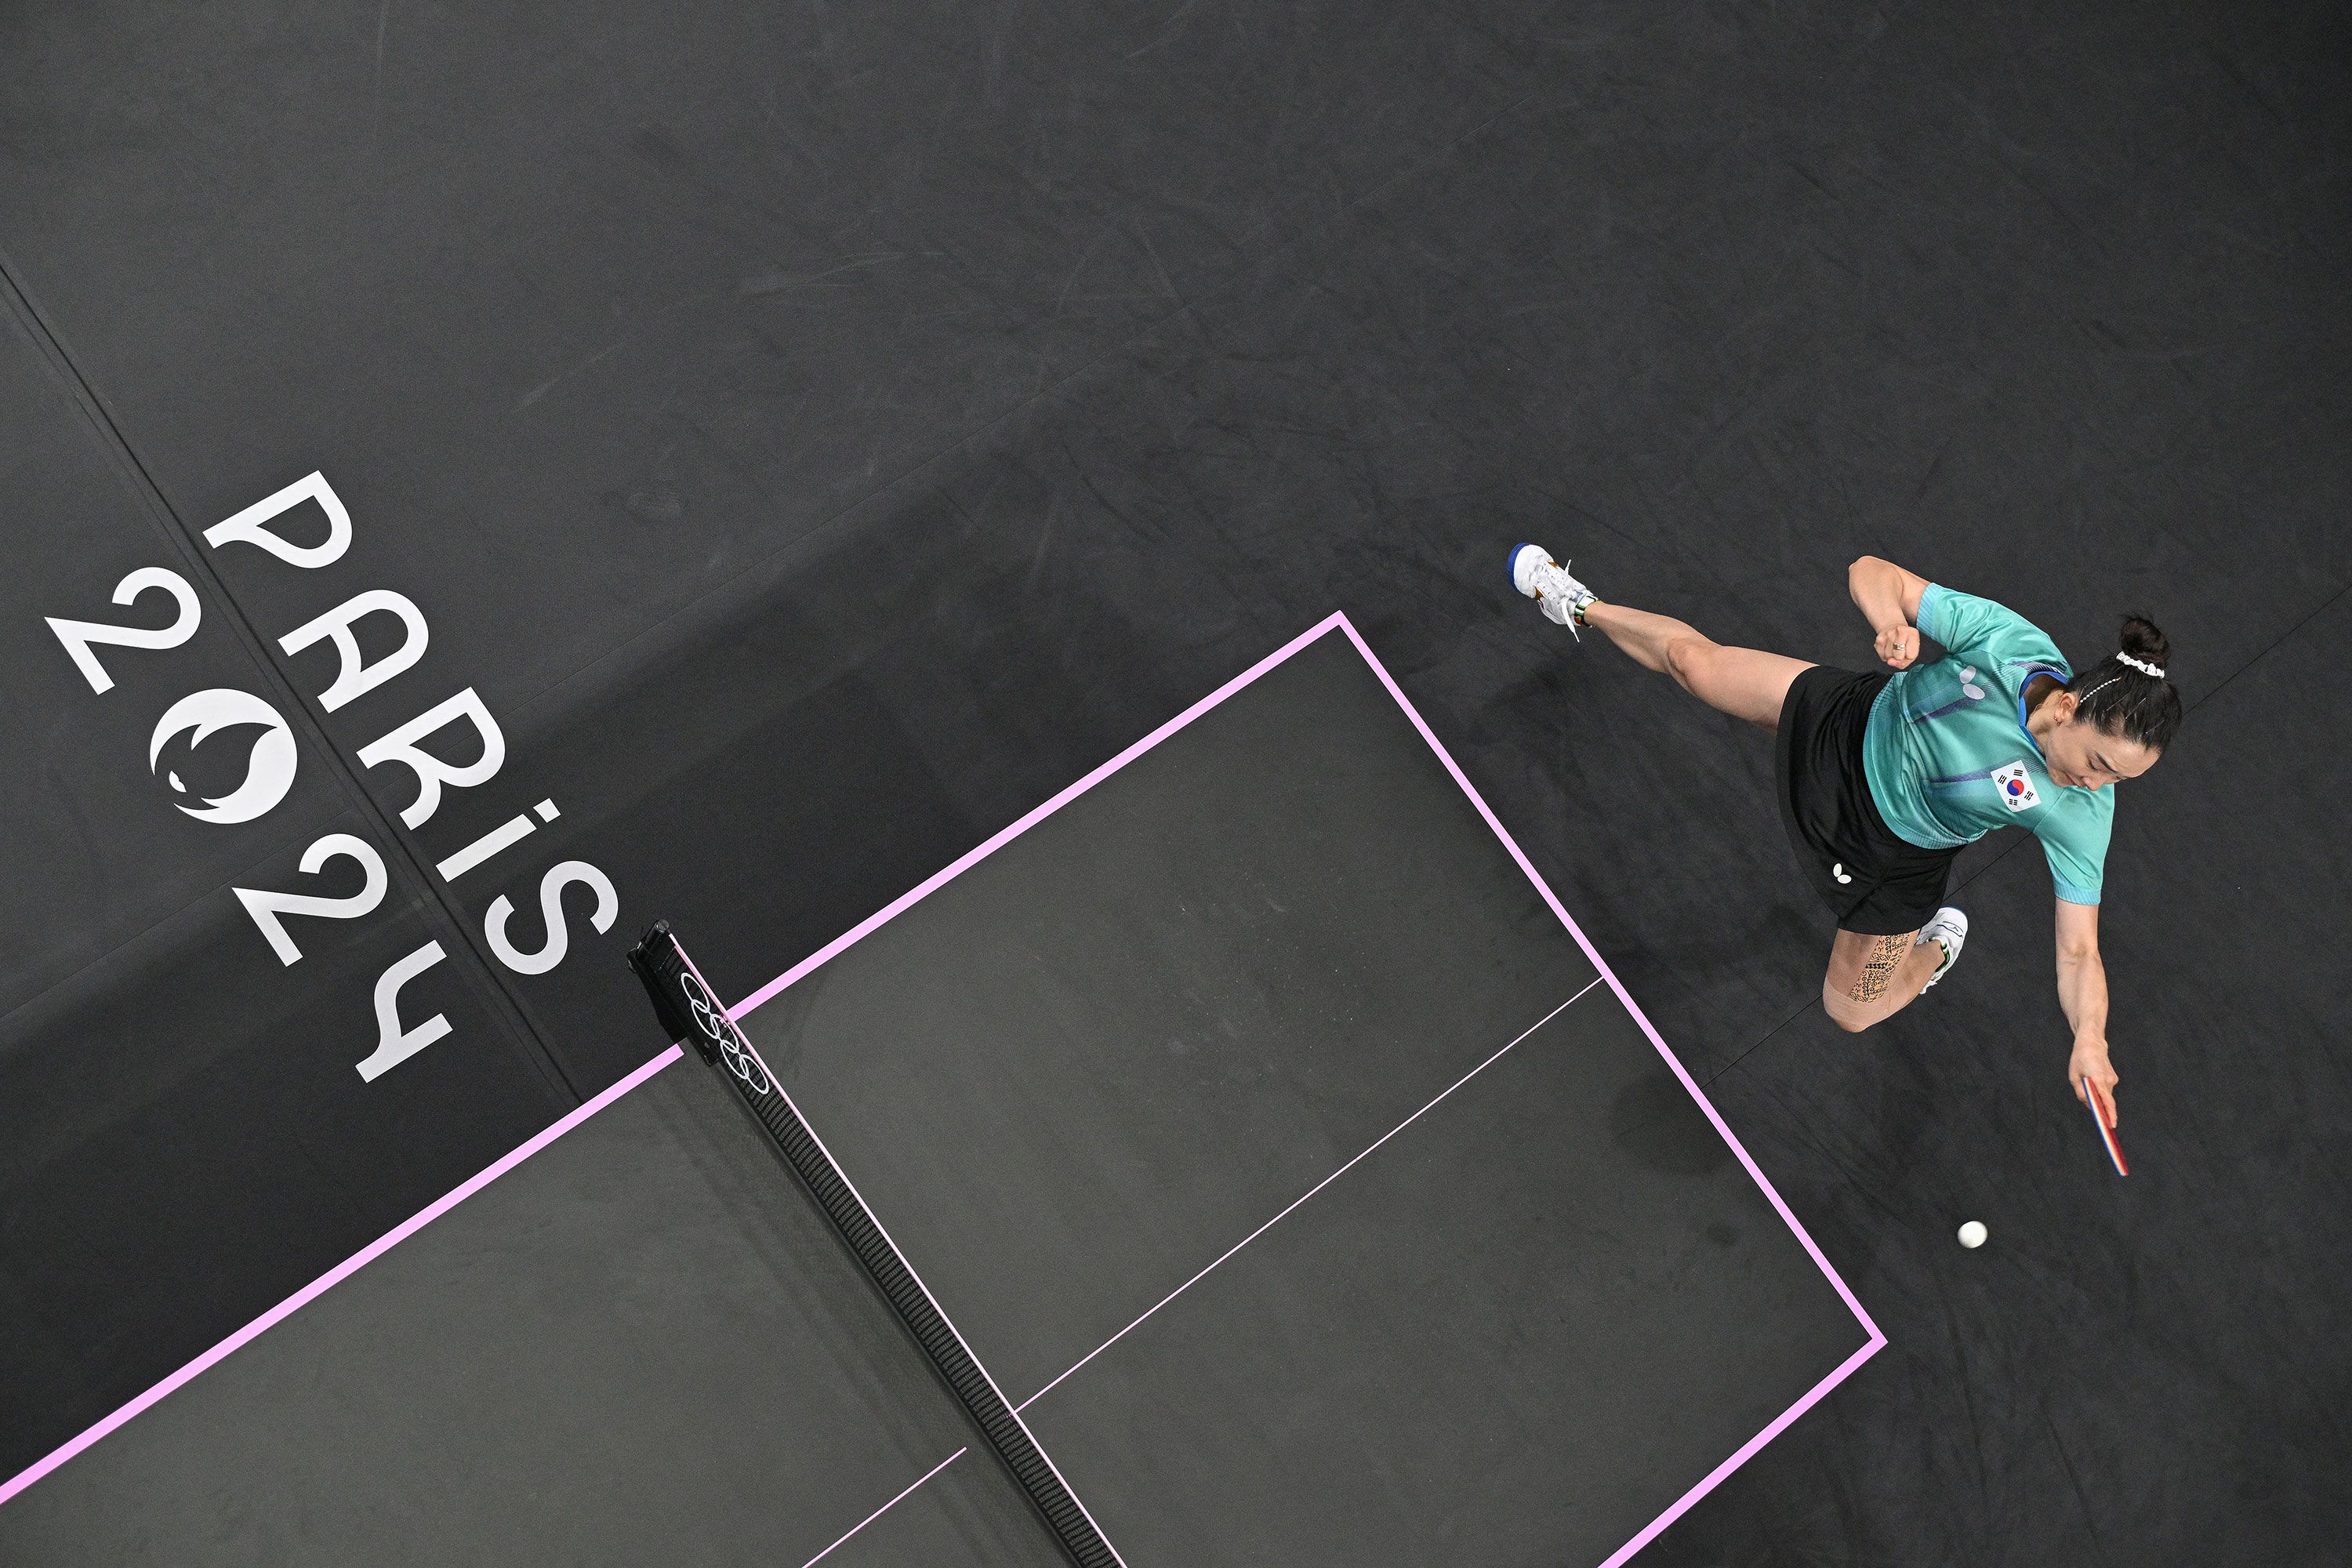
(332, 1277)
(1552, 900)
(1745, 1451)
(1339, 621)
(1031, 818)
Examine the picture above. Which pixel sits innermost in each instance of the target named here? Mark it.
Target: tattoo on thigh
(1886, 955)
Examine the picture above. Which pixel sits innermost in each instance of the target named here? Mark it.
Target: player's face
(2082, 754)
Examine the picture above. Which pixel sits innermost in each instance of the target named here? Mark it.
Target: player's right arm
(2083, 993)
(1888, 597)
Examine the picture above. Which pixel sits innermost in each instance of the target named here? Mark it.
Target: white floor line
(1309, 1192)
(886, 1507)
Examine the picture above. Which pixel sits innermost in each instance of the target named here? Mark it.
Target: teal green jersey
(1948, 755)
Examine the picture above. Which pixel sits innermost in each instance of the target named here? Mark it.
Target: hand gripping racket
(2107, 1133)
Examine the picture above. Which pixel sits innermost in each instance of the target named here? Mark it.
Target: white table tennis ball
(1973, 1234)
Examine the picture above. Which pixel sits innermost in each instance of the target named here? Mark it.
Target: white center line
(886, 1507)
(1219, 1262)
(1309, 1192)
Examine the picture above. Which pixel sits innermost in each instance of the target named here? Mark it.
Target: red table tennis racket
(2107, 1133)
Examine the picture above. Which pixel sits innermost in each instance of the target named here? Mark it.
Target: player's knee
(1847, 1014)
(1687, 659)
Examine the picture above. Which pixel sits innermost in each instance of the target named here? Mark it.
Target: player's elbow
(1871, 577)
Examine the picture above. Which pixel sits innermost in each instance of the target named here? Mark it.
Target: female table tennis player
(1883, 778)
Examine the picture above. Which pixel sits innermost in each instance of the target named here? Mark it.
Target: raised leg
(1745, 683)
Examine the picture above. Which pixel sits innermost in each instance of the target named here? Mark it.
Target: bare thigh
(1745, 683)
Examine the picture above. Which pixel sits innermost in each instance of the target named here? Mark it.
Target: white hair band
(2141, 664)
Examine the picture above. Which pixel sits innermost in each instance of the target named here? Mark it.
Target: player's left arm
(2083, 991)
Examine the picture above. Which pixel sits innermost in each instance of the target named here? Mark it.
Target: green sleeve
(1964, 623)
(2078, 850)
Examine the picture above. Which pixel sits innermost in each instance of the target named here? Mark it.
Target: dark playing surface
(819, 435)
(635, 1347)
(1101, 1057)
(1514, 1318)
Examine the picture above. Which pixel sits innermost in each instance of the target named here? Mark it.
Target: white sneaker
(1950, 928)
(1535, 574)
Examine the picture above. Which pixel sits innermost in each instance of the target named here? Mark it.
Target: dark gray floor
(636, 1346)
(2169, 1340)
(1104, 1055)
(820, 435)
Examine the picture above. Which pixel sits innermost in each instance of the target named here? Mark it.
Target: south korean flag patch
(2016, 786)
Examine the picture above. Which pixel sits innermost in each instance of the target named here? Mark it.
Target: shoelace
(1574, 624)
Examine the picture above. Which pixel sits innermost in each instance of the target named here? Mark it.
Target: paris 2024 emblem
(268, 769)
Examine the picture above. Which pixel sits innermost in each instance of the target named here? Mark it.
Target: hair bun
(2141, 639)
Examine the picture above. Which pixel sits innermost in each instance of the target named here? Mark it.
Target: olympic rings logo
(710, 1019)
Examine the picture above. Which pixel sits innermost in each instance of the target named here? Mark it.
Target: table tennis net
(693, 1016)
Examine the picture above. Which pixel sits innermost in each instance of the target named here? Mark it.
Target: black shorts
(1874, 882)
